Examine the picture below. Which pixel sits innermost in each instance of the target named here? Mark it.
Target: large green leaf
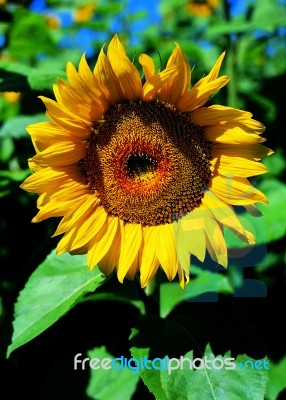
(217, 377)
(247, 381)
(277, 381)
(172, 294)
(274, 214)
(53, 288)
(276, 164)
(29, 35)
(16, 127)
(271, 225)
(268, 15)
(156, 337)
(106, 384)
(17, 77)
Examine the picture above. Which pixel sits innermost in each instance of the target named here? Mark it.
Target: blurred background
(37, 38)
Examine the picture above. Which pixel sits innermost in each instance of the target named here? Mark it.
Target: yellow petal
(104, 73)
(148, 261)
(64, 244)
(191, 232)
(125, 71)
(55, 209)
(217, 113)
(111, 259)
(130, 245)
(183, 255)
(237, 166)
(213, 74)
(250, 152)
(215, 242)
(79, 128)
(179, 60)
(73, 100)
(226, 216)
(90, 91)
(102, 242)
(61, 153)
(147, 65)
(44, 134)
(232, 133)
(76, 216)
(236, 191)
(134, 268)
(85, 73)
(166, 249)
(57, 110)
(199, 95)
(152, 87)
(62, 194)
(88, 226)
(177, 84)
(50, 178)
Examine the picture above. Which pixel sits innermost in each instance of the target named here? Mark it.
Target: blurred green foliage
(35, 47)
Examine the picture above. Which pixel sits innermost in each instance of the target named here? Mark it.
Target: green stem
(232, 72)
(231, 66)
(150, 296)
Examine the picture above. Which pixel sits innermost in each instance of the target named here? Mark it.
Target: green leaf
(7, 109)
(16, 127)
(29, 35)
(42, 79)
(17, 77)
(218, 383)
(15, 176)
(268, 15)
(276, 164)
(156, 337)
(277, 381)
(229, 27)
(271, 260)
(210, 377)
(10, 67)
(274, 214)
(271, 225)
(172, 294)
(106, 384)
(6, 149)
(52, 289)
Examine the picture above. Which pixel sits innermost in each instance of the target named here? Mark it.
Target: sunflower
(84, 13)
(144, 175)
(202, 8)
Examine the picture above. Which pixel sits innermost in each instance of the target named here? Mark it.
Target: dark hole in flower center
(140, 166)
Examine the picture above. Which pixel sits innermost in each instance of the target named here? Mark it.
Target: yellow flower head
(202, 8)
(84, 13)
(144, 175)
(52, 21)
(11, 97)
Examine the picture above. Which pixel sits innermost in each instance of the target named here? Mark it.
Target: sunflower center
(141, 166)
(148, 163)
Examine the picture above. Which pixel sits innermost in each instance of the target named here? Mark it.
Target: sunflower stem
(150, 297)
(232, 71)
(231, 66)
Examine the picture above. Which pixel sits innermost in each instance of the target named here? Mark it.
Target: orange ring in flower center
(147, 162)
(140, 167)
